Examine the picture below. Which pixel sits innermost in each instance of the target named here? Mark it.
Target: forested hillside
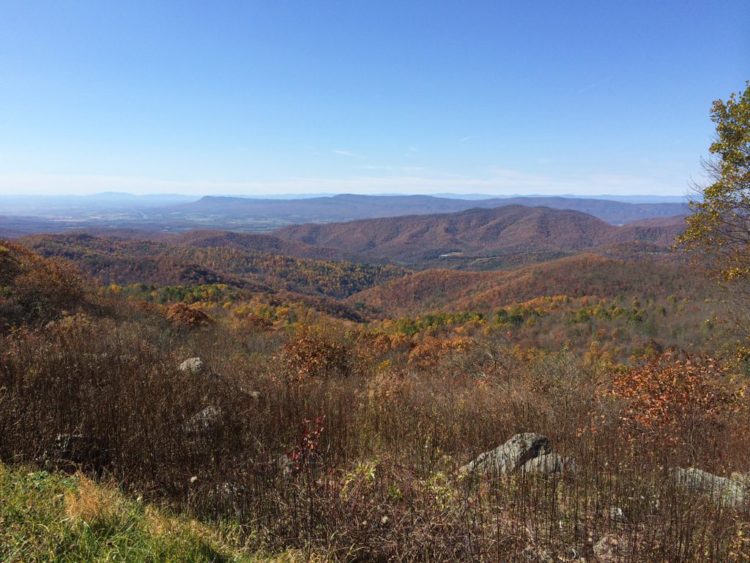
(478, 238)
(182, 369)
(229, 259)
(635, 275)
(326, 392)
(374, 282)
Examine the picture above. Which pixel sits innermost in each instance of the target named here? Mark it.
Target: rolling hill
(477, 238)
(208, 259)
(582, 275)
(252, 242)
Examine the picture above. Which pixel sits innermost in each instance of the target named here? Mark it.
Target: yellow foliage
(431, 350)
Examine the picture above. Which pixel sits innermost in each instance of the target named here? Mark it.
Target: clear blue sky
(268, 97)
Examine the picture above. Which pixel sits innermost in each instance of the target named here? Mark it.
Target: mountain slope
(477, 238)
(132, 261)
(575, 276)
(254, 242)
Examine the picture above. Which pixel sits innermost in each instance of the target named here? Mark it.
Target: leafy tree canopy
(721, 222)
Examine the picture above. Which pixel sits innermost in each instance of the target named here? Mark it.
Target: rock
(548, 464)
(728, 492)
(617, 514)
(254, 395)
(510, 456)
(194, 366)
(536, 554)
(204, 420)
(611, 549)
(73, 451)
(743, 478)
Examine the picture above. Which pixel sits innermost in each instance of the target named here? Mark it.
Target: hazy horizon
(249, 99)
(291, 196)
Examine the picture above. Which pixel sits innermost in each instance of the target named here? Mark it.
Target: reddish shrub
(184, 316)
(669, 403)
(316, 353)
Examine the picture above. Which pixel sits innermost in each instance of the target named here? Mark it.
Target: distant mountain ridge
(348, 207)
(507, 235)
(173, 214)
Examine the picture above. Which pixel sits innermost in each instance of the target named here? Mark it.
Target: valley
(375, 282)
(356, 367)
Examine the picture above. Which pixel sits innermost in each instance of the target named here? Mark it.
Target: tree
(720, 224)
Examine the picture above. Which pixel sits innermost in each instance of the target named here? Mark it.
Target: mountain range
(479, 238)
(347, 207)
(175, 214)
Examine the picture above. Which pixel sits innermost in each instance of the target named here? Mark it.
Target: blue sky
(598, 97)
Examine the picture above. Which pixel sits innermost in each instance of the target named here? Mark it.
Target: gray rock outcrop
(204, 420)
(611, 549)
(194, 366)
(510, 456)
(547, 464)
(722, 490)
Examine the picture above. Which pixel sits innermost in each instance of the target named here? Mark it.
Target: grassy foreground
(57, 517)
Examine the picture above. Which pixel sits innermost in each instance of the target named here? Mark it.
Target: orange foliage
(254, 322)
(668, 399)
(431, 350)
(35, 289)
(315, 353)
(374, 345)
(184, 316)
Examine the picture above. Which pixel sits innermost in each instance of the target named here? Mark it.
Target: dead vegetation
(345, 441)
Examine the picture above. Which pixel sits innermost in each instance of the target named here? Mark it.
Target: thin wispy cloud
(464, 139)
(346, 153)
(394, 168)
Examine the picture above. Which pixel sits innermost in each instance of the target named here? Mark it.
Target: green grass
(53, 517)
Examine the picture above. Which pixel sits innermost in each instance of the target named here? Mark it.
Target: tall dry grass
(329, 444)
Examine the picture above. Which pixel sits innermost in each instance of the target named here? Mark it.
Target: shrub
(674, 405)
(33, 289)
(185, 317)
(317, 352)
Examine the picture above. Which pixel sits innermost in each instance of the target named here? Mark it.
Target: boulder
(722, 490)
(611, 549)
(510, 456)
(204, 420)
(548, 464)
(193, 366)
(536, 554)
(77, 451)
